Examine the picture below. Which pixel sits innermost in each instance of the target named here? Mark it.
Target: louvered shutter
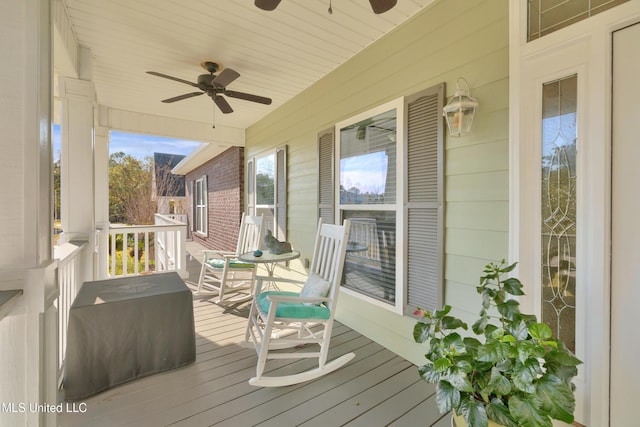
(281, 193)
(193, 205)
(251, 192)
(425, 207)
(326, 199)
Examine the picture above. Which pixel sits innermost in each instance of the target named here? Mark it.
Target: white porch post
(27, 333)
(77, 168)
(101, 154)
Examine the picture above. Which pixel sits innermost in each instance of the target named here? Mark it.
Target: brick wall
(225, 194)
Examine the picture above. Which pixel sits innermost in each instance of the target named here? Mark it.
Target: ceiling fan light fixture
(382, 6)
(267, 4)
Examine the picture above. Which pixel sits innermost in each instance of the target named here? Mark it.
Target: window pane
(265, 179)
(368, 161)
(547, 16)
(370, 264)
(559, 135)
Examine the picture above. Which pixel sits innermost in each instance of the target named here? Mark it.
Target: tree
(133, 189)
(129, 180)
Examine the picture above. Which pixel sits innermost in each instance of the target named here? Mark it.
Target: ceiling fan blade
(381, 6)
(267, 4)
(248, 97)
(222, 104)
(181, 97)
(154, 73)
(225, 77)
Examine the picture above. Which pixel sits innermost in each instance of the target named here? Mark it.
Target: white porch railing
(138, 249)
(69, 256)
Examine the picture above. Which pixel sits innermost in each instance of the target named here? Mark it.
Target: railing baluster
(146, 251)
(68, 285)
(167, 238)
(135, 253)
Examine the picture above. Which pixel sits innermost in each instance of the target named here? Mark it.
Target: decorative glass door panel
(559, 136)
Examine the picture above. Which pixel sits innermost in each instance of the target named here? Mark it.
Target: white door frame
(584, 49)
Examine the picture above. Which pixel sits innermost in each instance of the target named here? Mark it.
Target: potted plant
(509, 371)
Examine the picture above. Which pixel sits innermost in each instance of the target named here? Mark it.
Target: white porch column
(101, 155)
(27, 333)
(77, 168)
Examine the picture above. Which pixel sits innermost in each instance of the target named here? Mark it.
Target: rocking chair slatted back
(250, 235)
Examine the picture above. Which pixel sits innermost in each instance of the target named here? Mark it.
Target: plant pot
(459, 421)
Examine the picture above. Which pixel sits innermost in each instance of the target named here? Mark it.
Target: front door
(625, 226)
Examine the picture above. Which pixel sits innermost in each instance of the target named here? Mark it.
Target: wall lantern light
(460, 110)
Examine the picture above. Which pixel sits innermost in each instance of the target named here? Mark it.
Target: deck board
(376, 388)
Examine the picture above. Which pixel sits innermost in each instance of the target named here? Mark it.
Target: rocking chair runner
(281, 320)
(223, 273)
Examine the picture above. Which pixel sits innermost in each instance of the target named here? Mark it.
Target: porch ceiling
(278, 54)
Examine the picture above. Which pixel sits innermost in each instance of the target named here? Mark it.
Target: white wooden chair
(281, 320)
(223, 273)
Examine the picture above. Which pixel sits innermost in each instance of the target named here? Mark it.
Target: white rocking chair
(280, 320)
(223, 273)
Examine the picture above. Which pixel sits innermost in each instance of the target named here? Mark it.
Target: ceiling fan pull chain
(330, 8)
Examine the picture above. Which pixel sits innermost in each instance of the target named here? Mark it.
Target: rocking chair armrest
(279, 279)
(295, 299)
(211, 253)
(269, 279)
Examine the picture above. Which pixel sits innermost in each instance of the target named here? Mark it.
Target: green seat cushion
(234, 263)
(292, 310)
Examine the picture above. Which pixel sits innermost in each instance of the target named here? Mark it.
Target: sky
(367, 172)
(138, 146)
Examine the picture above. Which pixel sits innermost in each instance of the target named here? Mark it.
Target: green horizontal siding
(450, 39)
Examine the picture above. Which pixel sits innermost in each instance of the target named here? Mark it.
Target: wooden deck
(377, 388)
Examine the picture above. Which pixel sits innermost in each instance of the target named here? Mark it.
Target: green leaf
(499, 384)
(556, 397)
(508, 268)
(525, 373)
(422, 332)
(479, 326)
(463, 363)
(447, 397)
(428, 373)
(474, 412)
(490, 329)
(529, 318)
(518, 330)
(553, 344)
(441, 365)
(509, 309)
(493, 351)
(513, 286)
(528, 349)
(460, 381)
(449, 322)
(454, 343)
(439, 314)
(564, 356)
(471, 343)
(498, 412)
(540, 331)
(526, 412)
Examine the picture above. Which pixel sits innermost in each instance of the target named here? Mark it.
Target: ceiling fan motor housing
(205, 80)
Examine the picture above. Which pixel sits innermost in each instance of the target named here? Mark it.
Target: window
(266, 190)
(388, 182)
(200, 206)
(545, 17)
(368, 189)
(559, 201)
